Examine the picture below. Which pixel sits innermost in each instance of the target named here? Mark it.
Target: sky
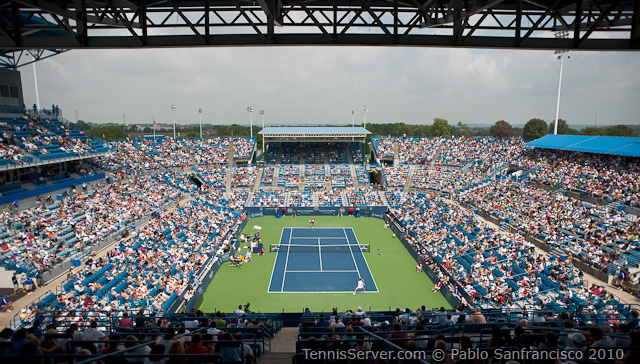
(322, 85)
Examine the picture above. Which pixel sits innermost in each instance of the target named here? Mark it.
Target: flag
(154, 124)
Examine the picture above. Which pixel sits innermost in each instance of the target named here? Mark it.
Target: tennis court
(317, 260)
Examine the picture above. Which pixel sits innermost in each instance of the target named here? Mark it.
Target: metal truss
(18, 57)
(529, 24)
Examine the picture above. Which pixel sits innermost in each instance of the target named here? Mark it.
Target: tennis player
(312, 222)
(360, 286)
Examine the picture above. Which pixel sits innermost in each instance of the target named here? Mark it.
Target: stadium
(312, 243)
(182, 233)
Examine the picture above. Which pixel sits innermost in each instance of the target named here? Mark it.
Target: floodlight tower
(560, 55)
(364, 111)
(250, 111)
(200, 112)
(262, 114)
(174, 108)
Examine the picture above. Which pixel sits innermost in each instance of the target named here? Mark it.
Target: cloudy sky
(321, 85)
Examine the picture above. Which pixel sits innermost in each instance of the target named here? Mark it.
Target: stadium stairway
(283, 347)
(435, 156)
(276, 168)
(354, 175)
(186, 150)
(352, 168)
(396, 155)
(349, 155)
(256, 184)
(384, 199)
(407, 183)
(613, 206)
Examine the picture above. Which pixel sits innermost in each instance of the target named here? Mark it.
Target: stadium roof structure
(313, 134)
(313, 131)
(528, 24)
(626, 146)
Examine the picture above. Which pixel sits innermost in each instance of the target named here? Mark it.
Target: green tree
(534, 129)
(463, 130)
(501, 129)
(83, 125)
(563, 127)
(441, 127)
(109, 132)
(618, 130)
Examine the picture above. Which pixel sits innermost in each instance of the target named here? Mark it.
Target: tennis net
(333, 248)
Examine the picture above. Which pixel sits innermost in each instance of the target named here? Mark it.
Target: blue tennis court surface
(319, 260)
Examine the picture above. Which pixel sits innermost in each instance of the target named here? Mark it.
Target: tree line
(533, 129)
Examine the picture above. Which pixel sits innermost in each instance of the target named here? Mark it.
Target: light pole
(35, 80)
(364, 111)
(353, 118)
(262, 114)
(250, 111)
(200, 112)
(560, 52)
(174, 108)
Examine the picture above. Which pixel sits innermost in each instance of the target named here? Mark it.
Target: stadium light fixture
(35, 81)
(560, 55)
(200, 112)
(364, 111)
(174, 108)
(250, 111)
(262, 114)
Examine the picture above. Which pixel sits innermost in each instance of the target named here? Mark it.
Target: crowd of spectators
(24, 138)
(330, 198)
(151, 268)
(243, 176)
(126, 156)
(411, 150)
(213, 176)
(267, 175)
(38, 238)
(314, 154)
(300, 199)
(268, 198)
(494, 269)
(608, 177)
(166, 152)
(363, 197)
(396, 176)
(589, 232)
(444, 179)
(479, 152)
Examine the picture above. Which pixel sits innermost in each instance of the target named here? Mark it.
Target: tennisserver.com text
(353, 354)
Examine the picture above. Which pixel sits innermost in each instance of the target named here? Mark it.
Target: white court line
(320, 253)
(326, 271)
(320, 237)
(286, 262)
(365, 261)
(321, 292)
(274, 264)
(352, 256)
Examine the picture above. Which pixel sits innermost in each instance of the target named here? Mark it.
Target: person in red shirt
(196, 345)
(125, 321)
(399, 334)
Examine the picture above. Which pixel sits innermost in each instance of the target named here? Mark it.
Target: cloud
(313, 85)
